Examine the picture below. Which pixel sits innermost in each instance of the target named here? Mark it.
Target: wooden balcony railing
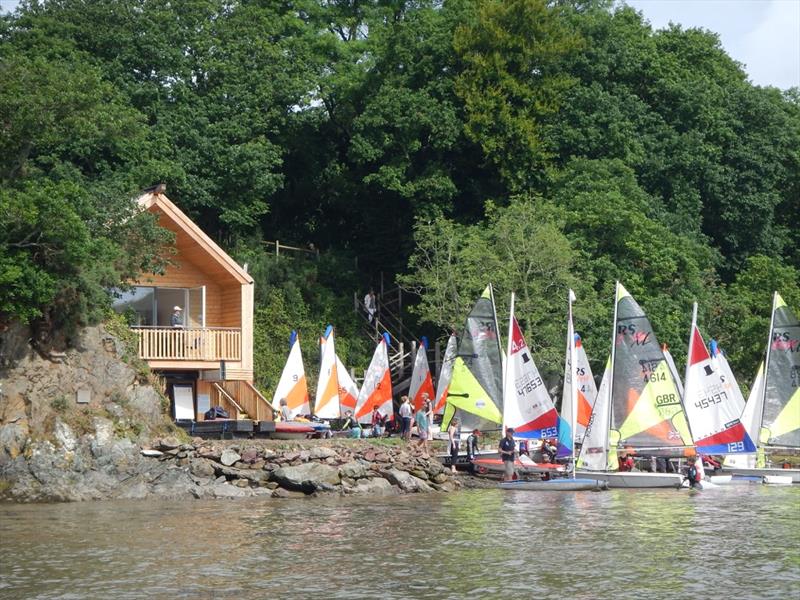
(181, 343)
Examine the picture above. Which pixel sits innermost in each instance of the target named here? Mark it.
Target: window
(145, 306)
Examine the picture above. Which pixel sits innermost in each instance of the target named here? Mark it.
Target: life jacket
(693, 474)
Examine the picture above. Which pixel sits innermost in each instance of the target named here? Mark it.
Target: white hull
(555, 485)
(634, 479)
(763, 472)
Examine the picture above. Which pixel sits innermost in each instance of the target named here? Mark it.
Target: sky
(763, 35)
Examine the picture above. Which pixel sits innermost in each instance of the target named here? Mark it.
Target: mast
(766, 367)
(686, 376)
(611, 373)
(499, 349)
(573, 388)
(506, 365)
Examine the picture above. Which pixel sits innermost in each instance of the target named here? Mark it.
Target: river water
(737, 542)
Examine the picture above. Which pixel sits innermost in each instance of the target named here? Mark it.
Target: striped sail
(780, 421)
(594, 455)
(421, 382)
(292, 384)
(646, 404)
(586, 390)
(713, 402)
(445, 374)
(326, 404)
(527, 406)
(377, 387)
(475, 391)
(348, 390)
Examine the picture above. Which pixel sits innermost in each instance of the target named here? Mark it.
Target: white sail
(672, 368)
(326, 405)
(292, 384)
(712, 405)
(527, 406)
(445, 373)
(586, 391)
(751, 419)
(594, 449)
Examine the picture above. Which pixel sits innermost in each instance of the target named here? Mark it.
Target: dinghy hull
(763, 472)
(555, 485)
(635, 479)
(495, 465)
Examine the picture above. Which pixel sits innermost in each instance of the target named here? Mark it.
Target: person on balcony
(177, 317)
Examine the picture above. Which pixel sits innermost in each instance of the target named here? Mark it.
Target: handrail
(261, 397)
(189, 343)
(228, 398)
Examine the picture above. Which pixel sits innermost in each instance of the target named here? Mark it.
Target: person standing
(377, 422)
(177, 317)
(423, 427)
(370, 304)
(454, 437)
(508, 452)
(405, 415)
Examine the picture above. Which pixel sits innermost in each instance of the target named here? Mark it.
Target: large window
(145, 306)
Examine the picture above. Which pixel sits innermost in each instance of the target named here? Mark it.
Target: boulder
(249, 456)
(229, 457)
(321, 453)
(354, 470)
(202, 467)
(406, 481)
(306, 477)
(373, 487)
(168, 443)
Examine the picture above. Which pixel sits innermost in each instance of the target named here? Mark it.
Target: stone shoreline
(102, 467)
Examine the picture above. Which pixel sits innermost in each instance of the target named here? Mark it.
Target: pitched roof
(154, 198)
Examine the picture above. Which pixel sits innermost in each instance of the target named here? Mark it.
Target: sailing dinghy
(474, 393)
(421, 382)
(638, 407)
(772, 413)
(529, 410)
(579, 387)
(292, 384)
(713, 404)
(326, 403)
(377, 387)
(445, 374)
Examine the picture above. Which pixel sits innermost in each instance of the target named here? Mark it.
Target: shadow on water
(737, 542)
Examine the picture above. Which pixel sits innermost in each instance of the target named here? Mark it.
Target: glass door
(196, 307)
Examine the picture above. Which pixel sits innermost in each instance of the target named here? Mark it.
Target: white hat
(177, 308)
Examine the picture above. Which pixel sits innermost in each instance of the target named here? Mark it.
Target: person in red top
(626, 464)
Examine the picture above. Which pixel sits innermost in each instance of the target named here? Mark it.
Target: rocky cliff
(68, 412)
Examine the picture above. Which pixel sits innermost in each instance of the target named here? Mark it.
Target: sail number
(736, 447)
(711, 400)
(549, 432)
(666, 399)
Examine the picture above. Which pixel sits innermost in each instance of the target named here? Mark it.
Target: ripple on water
(739, 541)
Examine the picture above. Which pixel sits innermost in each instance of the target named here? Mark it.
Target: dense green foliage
(540, 145)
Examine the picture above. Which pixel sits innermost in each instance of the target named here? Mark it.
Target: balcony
(190, 344)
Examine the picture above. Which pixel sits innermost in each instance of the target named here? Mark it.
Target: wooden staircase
(242, 400)
(403, 343)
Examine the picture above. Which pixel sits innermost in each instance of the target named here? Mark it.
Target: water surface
(739, 542)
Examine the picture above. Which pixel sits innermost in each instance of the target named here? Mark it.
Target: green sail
(646, 404)
(781, 417)
(476, 385)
